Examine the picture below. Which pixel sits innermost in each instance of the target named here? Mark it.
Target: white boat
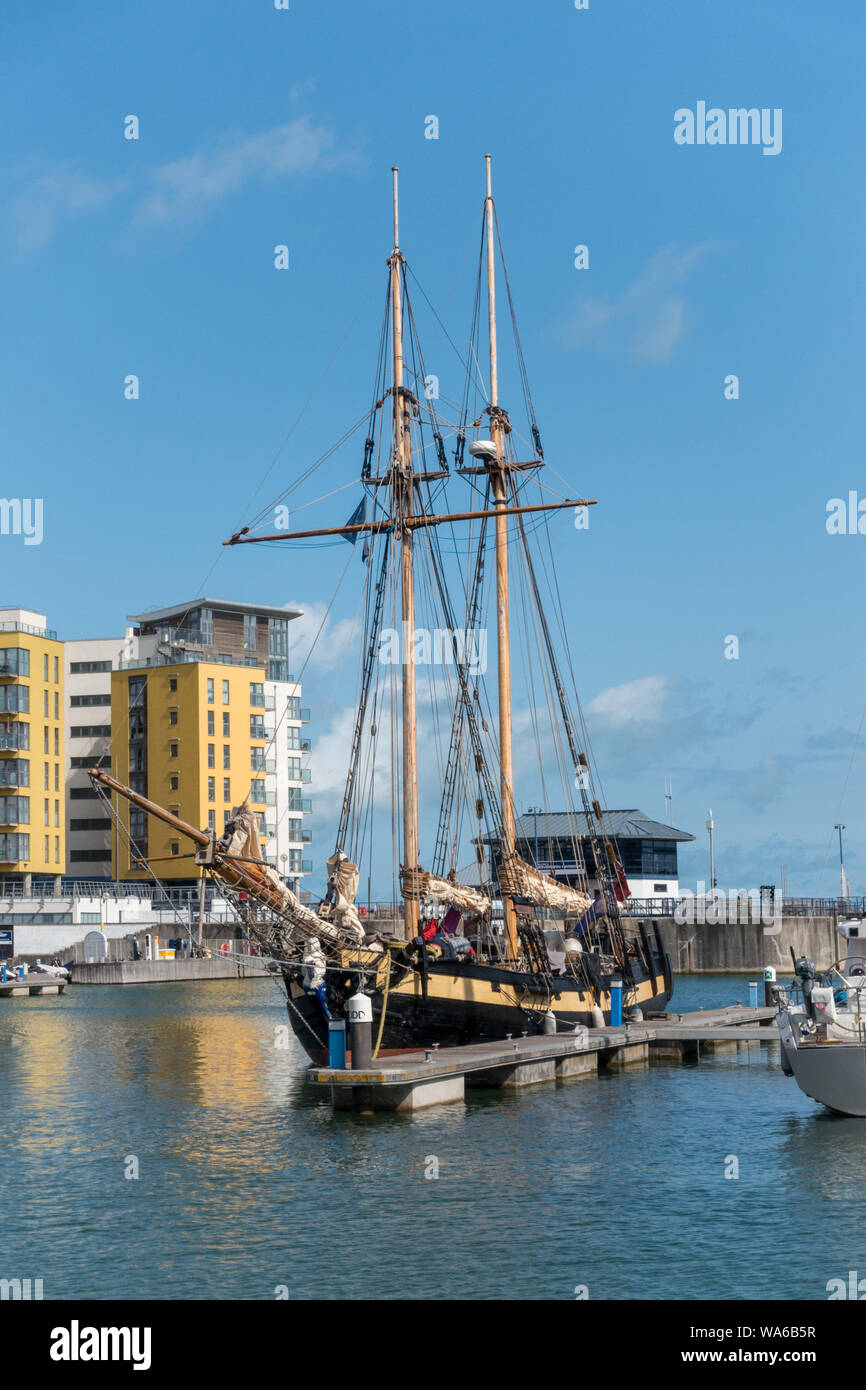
(823, 1033)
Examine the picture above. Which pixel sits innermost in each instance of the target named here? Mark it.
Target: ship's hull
(459, 1004)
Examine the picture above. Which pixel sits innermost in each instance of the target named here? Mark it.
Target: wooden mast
(498, 477)
(404, 507)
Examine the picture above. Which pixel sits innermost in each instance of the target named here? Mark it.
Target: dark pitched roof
(619, 825)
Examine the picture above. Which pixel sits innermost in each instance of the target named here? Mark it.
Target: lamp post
(710, 828)
(840, 828)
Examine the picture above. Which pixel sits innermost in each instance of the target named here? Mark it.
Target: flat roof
(157, 615)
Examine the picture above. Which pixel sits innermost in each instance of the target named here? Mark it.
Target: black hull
(445, 1016)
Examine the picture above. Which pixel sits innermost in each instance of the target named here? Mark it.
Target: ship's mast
(403, 492)
(498, 478)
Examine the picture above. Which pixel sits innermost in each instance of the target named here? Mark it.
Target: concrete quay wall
(747, 947)
(144, 972)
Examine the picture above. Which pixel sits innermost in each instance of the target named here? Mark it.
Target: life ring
(224, 948)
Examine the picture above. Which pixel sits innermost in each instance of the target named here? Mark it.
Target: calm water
(247, 1180)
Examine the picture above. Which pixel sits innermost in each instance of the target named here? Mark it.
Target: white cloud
(651, 317)
(57, 196)
(182, 190)
(641, 701)
(186, 188)
(331, 638)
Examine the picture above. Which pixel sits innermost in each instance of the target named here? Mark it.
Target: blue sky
(260, 127)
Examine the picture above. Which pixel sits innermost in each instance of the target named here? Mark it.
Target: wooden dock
(436, 1076)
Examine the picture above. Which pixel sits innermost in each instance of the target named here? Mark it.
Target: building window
(172, 750)
(45, 671)
(660, 888)
(57, 777)
(278, 649)
(82, 668)
(250, 636)
(92, 730)
(293, 737)
(227, 789)
(211, 820)
(46, 774)
(257, 726)
(57, 742)
(225, 692)
(210, 690)
(83, 701)
(45, 738)
(257, 790)
(14, 661)
(57, 849)
(47, 837)
(257, 693)
(211, 789)
(57, 813)
(173, 782)
(172, 684)
(57, 704)
(294, 765)
(175, 847)
(210, 723)
(226, 726)
(172, 716)
(210, 756)
(257, 759)
(44, 702)
(227, 755)
(56, 670)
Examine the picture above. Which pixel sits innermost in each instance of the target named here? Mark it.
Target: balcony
(306, 866)
(306, 805)
(305, 716)
(270, 702)
(306, 745)
(48, 632)
(306, 837)
(13, 743)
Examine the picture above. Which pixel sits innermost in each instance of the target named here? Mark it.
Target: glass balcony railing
(305, 716)
(306, 866)
(34, 631)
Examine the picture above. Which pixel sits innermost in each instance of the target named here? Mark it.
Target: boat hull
(831, 1073)
(464, 1004)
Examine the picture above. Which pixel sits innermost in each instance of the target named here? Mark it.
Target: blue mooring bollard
(337, 1042)
(616, 1002)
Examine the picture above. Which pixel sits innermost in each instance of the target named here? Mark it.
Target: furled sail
(520, 880)
(343, 878)
(240, 840)
(418, 883)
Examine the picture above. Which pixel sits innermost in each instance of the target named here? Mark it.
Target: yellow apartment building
(32, 753)
(193, 738)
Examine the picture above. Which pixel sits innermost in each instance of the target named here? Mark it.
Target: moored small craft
(823, 1031)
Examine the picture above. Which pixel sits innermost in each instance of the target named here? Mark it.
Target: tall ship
(452, 540)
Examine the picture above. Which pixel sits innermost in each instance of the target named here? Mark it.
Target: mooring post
(361, 1023)
(616, 1002)
(337, 1043)
(770, 986)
